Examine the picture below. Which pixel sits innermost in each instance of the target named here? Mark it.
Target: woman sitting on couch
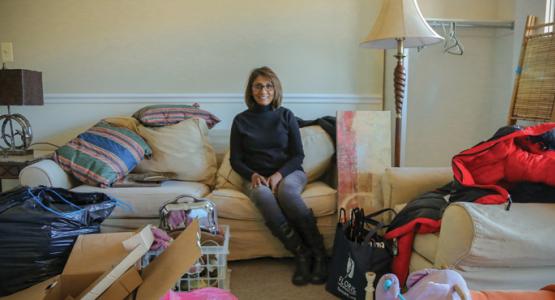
(267, 151)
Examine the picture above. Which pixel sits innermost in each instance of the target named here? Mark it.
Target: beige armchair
(491, 247)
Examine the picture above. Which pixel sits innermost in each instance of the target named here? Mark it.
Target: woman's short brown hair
(268, 73)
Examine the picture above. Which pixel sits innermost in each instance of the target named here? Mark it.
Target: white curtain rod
(472, 23)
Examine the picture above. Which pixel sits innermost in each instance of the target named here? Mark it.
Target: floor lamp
(400, 25)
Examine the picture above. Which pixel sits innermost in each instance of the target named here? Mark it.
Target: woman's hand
(257, 179)
(274, 180)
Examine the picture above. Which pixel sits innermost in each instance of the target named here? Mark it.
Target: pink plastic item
(200, 294)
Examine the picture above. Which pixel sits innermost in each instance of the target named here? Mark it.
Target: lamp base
(16, 134)
(18, 152)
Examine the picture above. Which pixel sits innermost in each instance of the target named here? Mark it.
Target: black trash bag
(38, 227)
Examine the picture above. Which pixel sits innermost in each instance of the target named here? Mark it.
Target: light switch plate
(6, 48)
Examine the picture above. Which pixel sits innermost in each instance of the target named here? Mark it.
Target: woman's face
(263, 90)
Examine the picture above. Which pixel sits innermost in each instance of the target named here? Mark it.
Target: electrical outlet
(7, 51)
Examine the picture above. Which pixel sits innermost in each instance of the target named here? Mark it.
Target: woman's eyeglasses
(259, 86)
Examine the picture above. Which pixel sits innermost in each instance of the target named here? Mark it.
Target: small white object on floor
(370, 276)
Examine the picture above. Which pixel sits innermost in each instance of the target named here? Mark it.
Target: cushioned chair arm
(45, 172)
(400, 185)
(479, 236)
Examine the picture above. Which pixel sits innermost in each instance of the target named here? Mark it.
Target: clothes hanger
(452, 44)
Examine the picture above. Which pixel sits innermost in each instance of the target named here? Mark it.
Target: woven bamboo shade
(534, 90)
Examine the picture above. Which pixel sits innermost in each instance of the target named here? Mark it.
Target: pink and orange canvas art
(363, 153)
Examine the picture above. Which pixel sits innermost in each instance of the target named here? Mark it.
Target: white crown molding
(228, 98)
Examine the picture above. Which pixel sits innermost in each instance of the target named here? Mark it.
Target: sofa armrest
(477, 236)
(400, 185)
(45, 172)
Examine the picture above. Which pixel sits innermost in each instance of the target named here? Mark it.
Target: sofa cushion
(103, 154)
(182, 149)
(162, 115)
(426, 245)
(417, 261)
(233, 204)
(146, 201)
(318, 149)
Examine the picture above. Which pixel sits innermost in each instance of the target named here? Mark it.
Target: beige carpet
(268, 279)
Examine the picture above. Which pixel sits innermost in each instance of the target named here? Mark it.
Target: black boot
(293, 242)
(313, 238)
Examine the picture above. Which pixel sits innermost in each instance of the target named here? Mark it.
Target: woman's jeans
(285, 207)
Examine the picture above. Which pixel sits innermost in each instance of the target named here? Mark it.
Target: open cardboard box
(95, 255)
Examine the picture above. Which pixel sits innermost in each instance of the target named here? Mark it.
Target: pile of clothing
(515, 165)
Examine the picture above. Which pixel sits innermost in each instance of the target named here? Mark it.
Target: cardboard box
(124, 286)
(95, 255)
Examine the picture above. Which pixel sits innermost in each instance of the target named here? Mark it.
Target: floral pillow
(163, 115)
(103, 154)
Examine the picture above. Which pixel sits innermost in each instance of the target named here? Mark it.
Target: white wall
(192, 46)
(454, 102)
(110, 57)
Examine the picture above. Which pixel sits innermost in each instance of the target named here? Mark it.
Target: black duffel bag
(38, 227)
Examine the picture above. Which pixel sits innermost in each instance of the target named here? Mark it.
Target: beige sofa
(491, 247)
(249, 236)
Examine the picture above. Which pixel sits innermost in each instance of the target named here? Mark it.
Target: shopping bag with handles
(358, 248)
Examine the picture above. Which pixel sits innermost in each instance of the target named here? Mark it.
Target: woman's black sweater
(265, 140)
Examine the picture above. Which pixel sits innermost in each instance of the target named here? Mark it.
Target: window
(549, 14)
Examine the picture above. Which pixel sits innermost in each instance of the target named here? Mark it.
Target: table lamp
(400, 25)
(18, 87)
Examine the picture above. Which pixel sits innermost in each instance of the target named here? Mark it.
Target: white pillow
(182, 149)
(318, 150)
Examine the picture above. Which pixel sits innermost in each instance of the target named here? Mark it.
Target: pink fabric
(200, 294)
(161, 239)
(178, 219)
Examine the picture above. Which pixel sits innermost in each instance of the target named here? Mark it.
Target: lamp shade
(20, 87)
(400, 19)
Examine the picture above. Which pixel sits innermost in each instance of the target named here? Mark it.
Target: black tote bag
(353, 257)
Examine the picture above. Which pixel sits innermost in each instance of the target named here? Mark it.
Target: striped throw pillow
(163, 115)
(103, 154)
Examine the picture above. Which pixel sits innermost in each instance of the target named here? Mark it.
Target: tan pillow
(227, 178)
(182, 149)
(127, 122)
(318, 150)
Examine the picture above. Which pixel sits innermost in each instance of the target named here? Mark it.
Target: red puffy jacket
(508, 159)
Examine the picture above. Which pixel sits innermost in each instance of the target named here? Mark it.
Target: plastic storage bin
(210, 270)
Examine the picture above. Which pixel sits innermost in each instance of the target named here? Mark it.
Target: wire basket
(210, 270)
